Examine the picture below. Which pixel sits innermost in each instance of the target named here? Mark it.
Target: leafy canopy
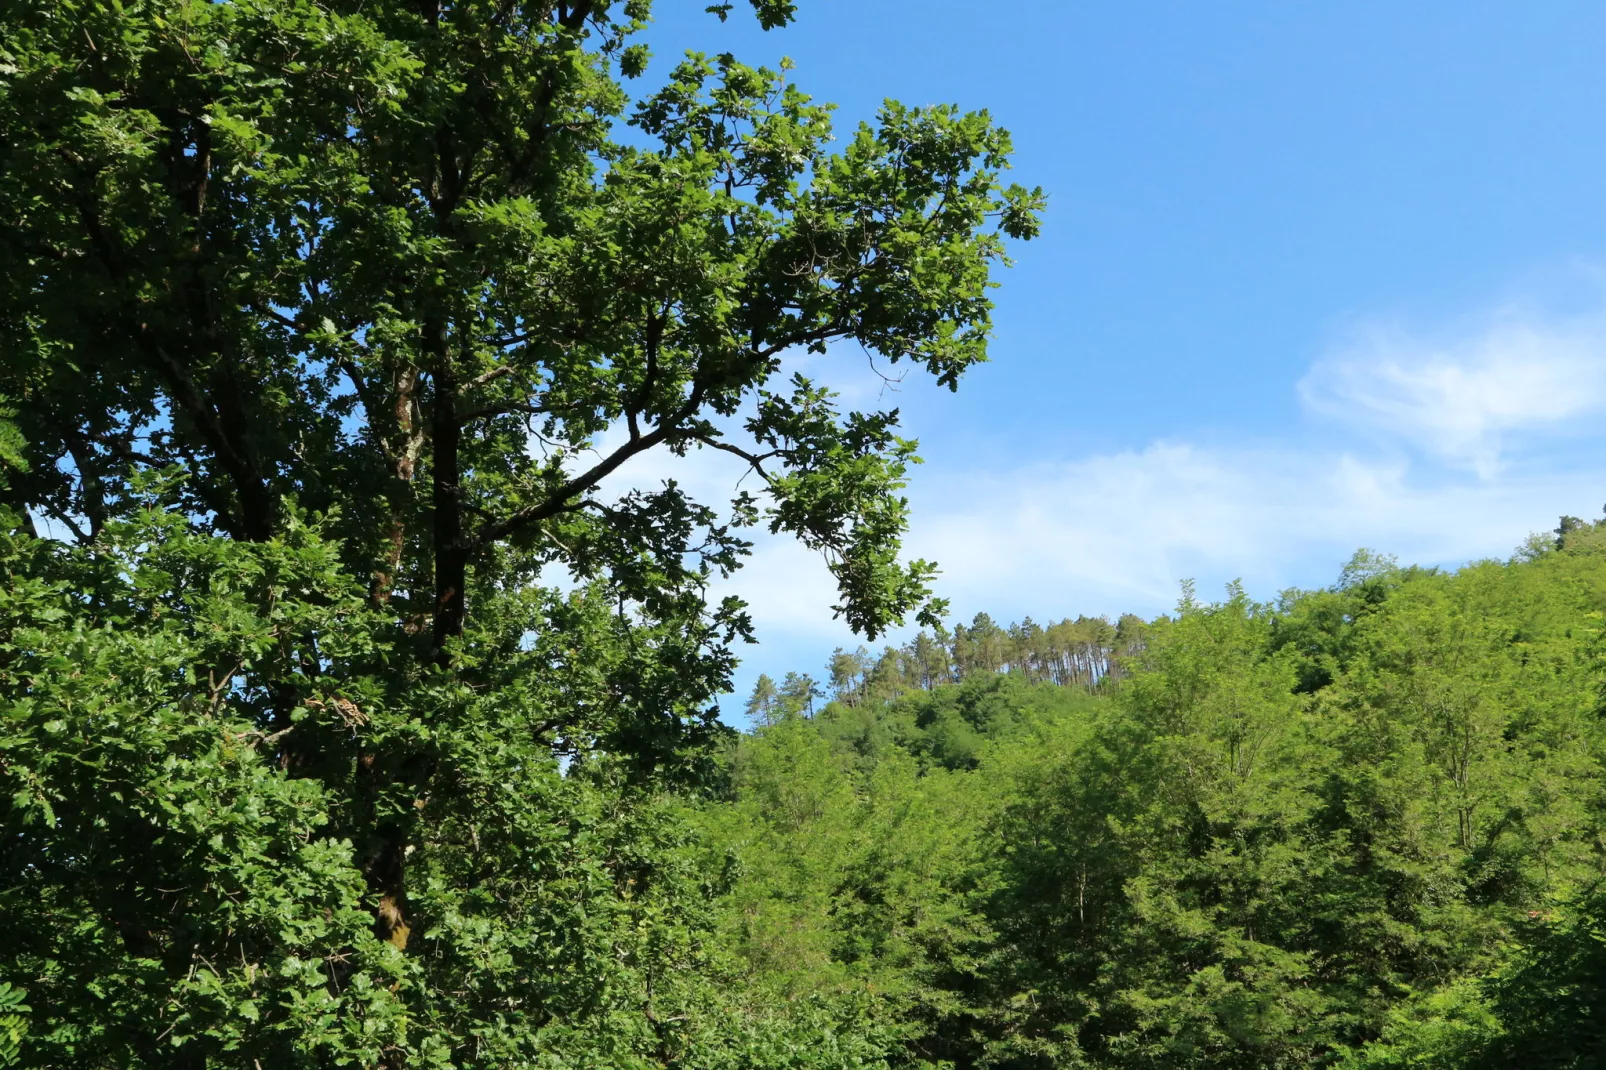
(326, 328)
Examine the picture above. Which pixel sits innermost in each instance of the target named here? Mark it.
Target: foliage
(1335, 828)
(351, 694)
(356, 711)
(13, 1023)
(1545, 1006)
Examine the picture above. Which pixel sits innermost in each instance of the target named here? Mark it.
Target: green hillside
(1362, 824)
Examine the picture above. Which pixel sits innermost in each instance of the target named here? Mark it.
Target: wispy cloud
(1495, 416)
(1468, 399)
(1118, 531)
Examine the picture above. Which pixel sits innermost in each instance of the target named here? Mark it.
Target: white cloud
(1117, 531)
(1471, 399)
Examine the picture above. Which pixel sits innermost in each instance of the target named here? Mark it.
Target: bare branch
(62, 517)
(489, 376)
(276, 316)
(755, 460)
(559, 500)
(486, 412)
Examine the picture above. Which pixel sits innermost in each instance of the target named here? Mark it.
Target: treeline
(1361, 826)
(1085, 652)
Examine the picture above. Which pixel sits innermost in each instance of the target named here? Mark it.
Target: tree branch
(755, 460)
(488, 376)
(62, 517)
(255, 520)
(558, 501)
(487, 411)
(276, 316)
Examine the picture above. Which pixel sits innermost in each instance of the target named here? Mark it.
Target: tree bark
(451, 549)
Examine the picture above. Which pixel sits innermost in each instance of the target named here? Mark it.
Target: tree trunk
(451, 551)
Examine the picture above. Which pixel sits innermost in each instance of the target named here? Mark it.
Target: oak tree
(328, 326)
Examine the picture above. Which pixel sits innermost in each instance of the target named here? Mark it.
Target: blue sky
(1313, 277)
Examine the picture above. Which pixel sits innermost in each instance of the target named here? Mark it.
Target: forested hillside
(1361, 825)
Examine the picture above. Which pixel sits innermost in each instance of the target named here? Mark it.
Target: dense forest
(1361, 826)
